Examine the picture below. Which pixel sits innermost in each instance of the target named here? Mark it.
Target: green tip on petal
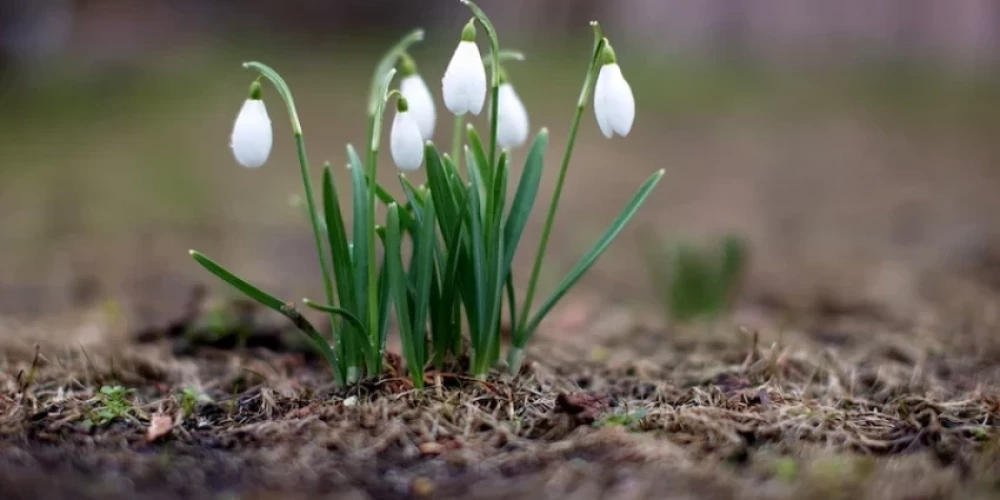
(255, 90)
(401, 104)
(469, 31)
(608, 54)
(407, 66)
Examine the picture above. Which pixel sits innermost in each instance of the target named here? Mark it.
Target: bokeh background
(853, 142)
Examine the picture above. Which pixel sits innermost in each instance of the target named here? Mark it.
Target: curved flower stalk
(418, 96)
(405, 141)
(614, 105)
(252, 136)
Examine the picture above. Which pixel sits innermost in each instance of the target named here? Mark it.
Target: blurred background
(852, 142)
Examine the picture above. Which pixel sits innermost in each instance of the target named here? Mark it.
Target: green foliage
(699, 282)
(189, 399)
(631, 420)
(112, 404)
(462, 229)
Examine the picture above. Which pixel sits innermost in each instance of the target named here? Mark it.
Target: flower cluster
(464, 91)
(463, 229)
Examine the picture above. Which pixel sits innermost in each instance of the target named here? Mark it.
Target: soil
(831, 399)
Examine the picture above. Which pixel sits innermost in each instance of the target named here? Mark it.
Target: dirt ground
(833, 399)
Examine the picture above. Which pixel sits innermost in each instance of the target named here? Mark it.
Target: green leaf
(524, 199)
(361, 237)
(337, 235)
(496, 261)
(591, 256)
(477, 239)
(398, 283)
(486, 172)
(445, 203)
(384, 304)
(424, 263)
(342, 266)
(286, 309)
(237, 282)
(505, 55)
(343, 313)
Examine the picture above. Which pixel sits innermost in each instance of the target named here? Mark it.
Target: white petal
(405, 143)
(602, 101)
(464, 84)
(421, 102)
(623, 103)
(512, 118)
(252, 137)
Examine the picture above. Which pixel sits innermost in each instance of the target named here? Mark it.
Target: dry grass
(840, 401)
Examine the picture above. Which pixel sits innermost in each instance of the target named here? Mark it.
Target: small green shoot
(189, 399)
(631, 420)
(112, 404)
(698, 282)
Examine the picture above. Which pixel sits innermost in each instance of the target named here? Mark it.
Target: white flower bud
(614, 104)
(512, 118)
(252, 136)
(421, 103)
(405, 141)
(464, 83)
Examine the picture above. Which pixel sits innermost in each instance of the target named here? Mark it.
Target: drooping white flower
(512, 117)
(415, 90)
(252, 137)
(405, 140)
(614, 104)
(464, 84)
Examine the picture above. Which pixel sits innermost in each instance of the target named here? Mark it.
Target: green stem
(494, 100)
(370, 163)
(519, 333)
(456, 140)
(300, 145)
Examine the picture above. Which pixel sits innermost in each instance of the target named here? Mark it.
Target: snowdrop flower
(418, 96)
(614, 104)
(512, 117)
(464, 82)
(252, 137)
(405, 141)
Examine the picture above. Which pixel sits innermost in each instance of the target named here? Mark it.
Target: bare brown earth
(829, 400)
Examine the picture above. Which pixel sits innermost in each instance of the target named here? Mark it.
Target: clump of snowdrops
(463, 230)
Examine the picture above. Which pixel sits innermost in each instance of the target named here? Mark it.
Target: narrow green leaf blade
(238, 283)
(384, 304)
(477, 243)
(486, 172)
(591, 256)
(424, 263)
(339, 311)
(359, 195)
(446, 205)
(399, 286)
(339, 248)
(524, 199)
